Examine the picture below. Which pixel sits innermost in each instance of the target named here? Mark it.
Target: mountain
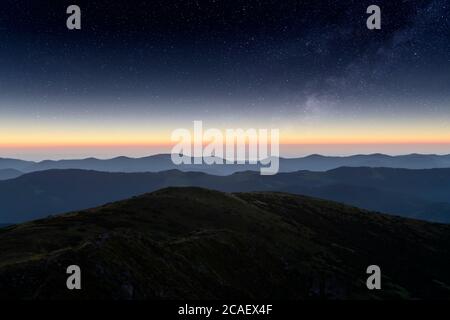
(155, 163)
(192, 243)
(19, 165)
(163, 162)
(6, 174)
(324, 163)
(421, 194)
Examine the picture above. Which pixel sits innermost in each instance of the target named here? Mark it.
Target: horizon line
(281, 157)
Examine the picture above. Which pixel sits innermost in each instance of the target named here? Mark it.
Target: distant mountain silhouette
(9, 174)
(163, 162)
(191, 243)
(421, 194)
(20, 165)
(155, 163)
(324, 163)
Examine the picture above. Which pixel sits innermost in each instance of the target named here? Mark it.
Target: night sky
(139, 69)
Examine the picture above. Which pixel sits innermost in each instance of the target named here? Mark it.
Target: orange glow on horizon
(291, 141)
(135, 136)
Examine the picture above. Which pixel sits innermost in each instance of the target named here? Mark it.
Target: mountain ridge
(421, 194)
(162, 162)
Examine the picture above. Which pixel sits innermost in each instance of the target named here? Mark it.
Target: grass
(192, 243)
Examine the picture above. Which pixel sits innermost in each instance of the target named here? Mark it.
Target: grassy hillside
(192, 243)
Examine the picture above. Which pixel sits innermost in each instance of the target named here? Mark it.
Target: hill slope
(6, 174)
(190, 243)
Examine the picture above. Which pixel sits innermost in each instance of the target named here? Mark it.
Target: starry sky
(139, 69)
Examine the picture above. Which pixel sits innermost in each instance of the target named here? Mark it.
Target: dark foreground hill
(191, 243)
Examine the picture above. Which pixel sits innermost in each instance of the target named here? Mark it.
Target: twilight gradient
(138, 70)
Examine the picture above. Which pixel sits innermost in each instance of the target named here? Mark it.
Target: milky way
(288, 63)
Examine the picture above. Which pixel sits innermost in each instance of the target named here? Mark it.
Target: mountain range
(192, 243)
(162, 162)
(420, 194)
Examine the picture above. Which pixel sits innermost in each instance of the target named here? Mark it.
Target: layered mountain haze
(421, 194)
(162, 162)
(191, 243)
